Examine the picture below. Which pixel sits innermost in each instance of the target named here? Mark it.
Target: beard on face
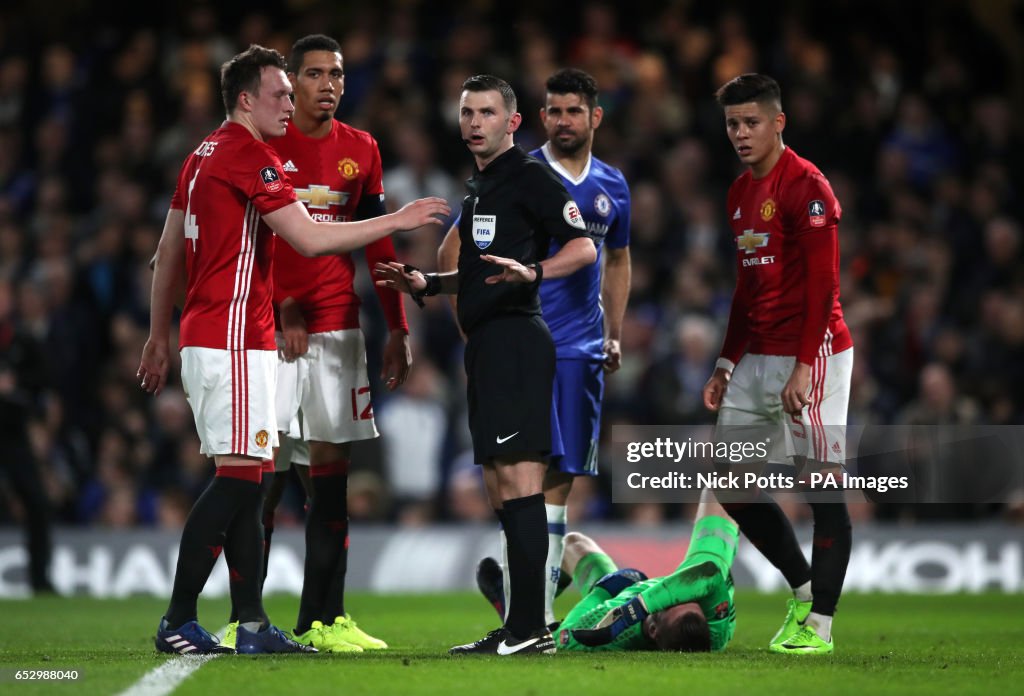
(571, 147)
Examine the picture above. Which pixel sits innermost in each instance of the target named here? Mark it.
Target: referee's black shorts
(510, 369)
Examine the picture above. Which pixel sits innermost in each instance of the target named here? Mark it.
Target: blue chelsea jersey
(572, 305)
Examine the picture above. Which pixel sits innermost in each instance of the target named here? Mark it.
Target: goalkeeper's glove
(614, 583)
(613, 624)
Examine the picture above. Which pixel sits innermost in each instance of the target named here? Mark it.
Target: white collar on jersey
(562, 171)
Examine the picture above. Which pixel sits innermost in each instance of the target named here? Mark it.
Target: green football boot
(796, 614)
(345, 629)
(324, 639)
(230, 633)
(805, 642)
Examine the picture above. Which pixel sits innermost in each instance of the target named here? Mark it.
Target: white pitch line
(164, 679)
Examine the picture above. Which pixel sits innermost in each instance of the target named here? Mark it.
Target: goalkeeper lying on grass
(690, 610)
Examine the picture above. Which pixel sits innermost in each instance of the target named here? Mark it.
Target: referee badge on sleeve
(571, 213)
(484, 227)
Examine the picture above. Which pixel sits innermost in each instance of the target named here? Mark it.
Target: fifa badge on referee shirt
(484, 228)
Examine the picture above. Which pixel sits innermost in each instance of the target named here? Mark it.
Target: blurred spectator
(23, 382)
(412, 424)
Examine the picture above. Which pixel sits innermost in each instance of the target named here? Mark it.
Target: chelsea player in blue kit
(583, 311)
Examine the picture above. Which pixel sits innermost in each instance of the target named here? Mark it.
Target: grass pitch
(896, 644)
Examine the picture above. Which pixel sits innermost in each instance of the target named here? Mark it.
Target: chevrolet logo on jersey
(750, 240)
(321, 197)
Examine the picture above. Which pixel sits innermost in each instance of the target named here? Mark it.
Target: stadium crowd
(908, 111)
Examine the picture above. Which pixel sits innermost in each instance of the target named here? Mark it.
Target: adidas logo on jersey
(289, 166)
(735, 216)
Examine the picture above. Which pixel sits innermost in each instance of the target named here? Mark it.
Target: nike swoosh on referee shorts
(499, 439)
(504, 649)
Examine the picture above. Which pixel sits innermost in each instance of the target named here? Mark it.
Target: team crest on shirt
(262, 438)
(722, 610)
(271, 179)
(571, 213)
(484, 229)
(768, 210)
(348, 168)
(603, 205)
(563, 637)
(750, 241)
(816, 213)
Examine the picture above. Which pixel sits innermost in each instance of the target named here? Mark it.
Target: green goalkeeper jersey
(703, 577)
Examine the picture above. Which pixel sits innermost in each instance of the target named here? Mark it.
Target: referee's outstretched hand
(511, 271)
(400, 277)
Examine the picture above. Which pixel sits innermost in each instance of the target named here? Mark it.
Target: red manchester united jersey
(331, 176)
(224, 187)
(787, 261)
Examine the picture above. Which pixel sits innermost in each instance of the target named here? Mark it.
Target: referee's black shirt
(514, 207)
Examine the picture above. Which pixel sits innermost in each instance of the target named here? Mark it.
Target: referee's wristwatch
(538, 271)
(432, 287)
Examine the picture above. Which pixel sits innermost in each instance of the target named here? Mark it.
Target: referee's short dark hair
(488, 83)
(313, 42)
(243, 73)
(574, 81)
(750, 87)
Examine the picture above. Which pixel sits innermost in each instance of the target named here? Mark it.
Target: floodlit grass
(884, 644)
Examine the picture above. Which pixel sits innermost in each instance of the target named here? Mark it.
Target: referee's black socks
(526, 529)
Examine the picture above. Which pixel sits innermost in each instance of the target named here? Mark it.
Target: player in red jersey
(231, 195)
(787, 357)
(323, 397)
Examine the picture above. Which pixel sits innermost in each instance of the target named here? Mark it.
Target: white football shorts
(324, 395)
(753, 398)
(231, 393)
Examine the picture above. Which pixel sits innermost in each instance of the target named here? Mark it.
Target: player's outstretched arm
(311, 238)
(168, 267)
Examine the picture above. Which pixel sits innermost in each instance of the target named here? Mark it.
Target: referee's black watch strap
(432, 287)
(539, 270)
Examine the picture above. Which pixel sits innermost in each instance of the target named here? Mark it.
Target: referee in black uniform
(514, 207)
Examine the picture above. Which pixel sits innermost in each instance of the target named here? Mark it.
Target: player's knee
(577, 539)
(578, 545)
